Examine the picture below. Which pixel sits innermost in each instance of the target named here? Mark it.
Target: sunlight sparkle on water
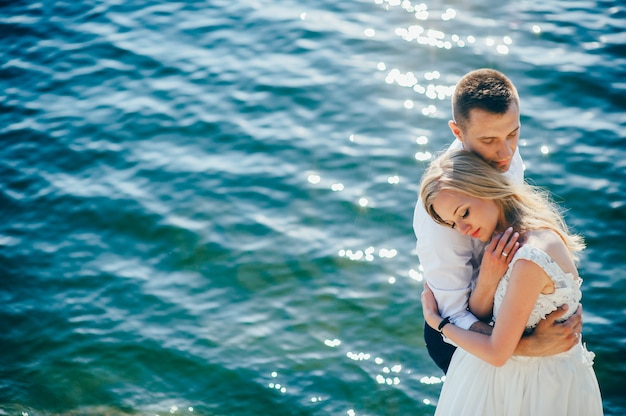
(357, 255)
(432, 75)
(387, 253)
(545, 150)
(421, 15)
(502, 49)
(393, 180)
(332, 343)
(314, 179)
(380, 379)
(411, 33)
(368, 253)
(432, 380)
(389, 375)
(409, 79)
(449, 14)
(421, 140)
(362, 356)
(276, 386)
(536, 29)
(423, 156)
(394, 369)
(430, 111)
(430, 37)
(435, 34)
(440, 92)
(404, 80)
(415, 275)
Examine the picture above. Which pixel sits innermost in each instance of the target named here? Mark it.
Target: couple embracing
(500, 269)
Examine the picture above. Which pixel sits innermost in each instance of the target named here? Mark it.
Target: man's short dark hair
(485, 89)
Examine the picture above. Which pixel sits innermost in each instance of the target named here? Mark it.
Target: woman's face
(476, 217)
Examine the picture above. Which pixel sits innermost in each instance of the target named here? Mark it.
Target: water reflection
(368, 254)
(435, 37)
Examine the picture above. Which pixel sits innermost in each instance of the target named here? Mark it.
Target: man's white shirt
(449, 260)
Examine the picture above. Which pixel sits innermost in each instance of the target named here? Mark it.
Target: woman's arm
(551, 336)
(526, 283)
(493, 266)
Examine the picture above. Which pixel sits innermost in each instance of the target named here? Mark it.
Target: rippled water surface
(206, 206)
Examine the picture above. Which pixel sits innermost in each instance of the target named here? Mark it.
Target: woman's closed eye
(465, 214)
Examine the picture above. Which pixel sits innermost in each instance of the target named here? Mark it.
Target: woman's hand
(497, 256)
(496, 260)
(429, 308)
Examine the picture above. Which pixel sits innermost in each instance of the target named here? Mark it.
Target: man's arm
(552, 337)
(446, 258)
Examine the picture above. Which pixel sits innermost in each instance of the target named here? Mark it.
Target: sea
(206, 205)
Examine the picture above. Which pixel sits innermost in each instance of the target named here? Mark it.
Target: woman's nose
(463, 228)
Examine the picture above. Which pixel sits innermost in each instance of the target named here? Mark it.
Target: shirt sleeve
(448, 264)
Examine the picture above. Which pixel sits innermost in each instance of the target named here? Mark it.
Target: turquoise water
(206, 206)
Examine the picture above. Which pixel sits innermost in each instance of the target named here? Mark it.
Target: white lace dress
(560, 385)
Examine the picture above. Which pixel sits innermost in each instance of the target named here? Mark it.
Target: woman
(462, 191)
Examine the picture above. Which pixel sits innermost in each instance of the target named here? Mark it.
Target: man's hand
(551, 337)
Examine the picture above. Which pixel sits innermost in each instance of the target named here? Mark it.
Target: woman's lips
(475, 233)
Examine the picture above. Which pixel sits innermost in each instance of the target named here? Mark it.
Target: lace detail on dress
(587, 356)
(567, 287)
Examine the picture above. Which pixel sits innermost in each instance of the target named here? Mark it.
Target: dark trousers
(439, 350)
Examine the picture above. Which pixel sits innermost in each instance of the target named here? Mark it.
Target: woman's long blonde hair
(524, 207)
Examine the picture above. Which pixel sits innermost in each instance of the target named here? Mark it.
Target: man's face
(492, 136)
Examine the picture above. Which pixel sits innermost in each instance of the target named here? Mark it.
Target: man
(486, 121)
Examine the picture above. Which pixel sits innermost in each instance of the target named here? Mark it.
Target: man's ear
(456, 130)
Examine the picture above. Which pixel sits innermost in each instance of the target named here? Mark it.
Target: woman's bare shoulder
(552, 244)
